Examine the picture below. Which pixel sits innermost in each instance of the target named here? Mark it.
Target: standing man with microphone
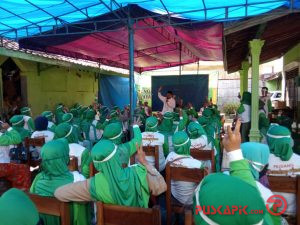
(169, 101)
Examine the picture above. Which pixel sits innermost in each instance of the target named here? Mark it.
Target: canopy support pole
(180, 52)
(131, 65)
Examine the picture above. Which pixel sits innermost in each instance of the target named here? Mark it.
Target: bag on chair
(156, 182)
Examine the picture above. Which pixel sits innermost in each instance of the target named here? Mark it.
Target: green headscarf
(113, 114)
(17, 209)
(17, 123)
(65, 130)
(113, 132)
(25, 111)
(285, 121)
(116, 108)
(181, 143)
(195, 130)
(59, 114)
(103, 113)
(279, 140)
(246, 98)
(55, 171)
(166, 125)
(90, 115)
(257, 155)
(203, 121)
(263, 123)
(83, 111)
(67, 118)
(74, 112)
(208, 113)
(151, 124)
(48, 115)
(76, 105)
(234, 192)
(124, 186)
(209, 129)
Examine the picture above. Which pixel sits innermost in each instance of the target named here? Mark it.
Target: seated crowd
(113, 168)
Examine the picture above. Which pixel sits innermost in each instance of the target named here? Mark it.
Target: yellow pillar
(244, 77)
(255, 49)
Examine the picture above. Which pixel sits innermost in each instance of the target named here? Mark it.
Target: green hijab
(127, 186)
(103, 113)
(74, 112)
(90, 115)
(67, 118)
(65, 130)
(25, 111)
(83, 111)
(181, 143)
(48, 115)
(195, 130)
(257, 155)
(113, 132)
(246, 98)
(55, 172)
(209, 129)
(166, 125)
(59, 113)
(208, 113)
(151, 124)
(16, 208)
(113, 114)
(17, 123)
(279, 140)
(220, 190)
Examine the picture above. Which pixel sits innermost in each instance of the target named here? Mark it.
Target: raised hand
(137, 121)
(232, 140)
(160, 88)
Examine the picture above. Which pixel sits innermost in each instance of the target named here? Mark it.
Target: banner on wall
(114, 91)
(144, 94)
(190, 88)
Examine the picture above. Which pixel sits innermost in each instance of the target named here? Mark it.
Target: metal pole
(180, 49)
(131, 65)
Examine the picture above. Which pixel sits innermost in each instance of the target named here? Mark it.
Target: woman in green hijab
(114, 133)
(151, 137)
(49, 116)
(263, 122)
(69, 118)
(64, 130)
(76, 120)
(210, 126)
(59, 114)
(16, 208)
(244, 113)
(17, 123)
(89, 127)
(29, 124)
(283, 161)
(181, 190)
(198, 136)
(113, 184)
(55, 173)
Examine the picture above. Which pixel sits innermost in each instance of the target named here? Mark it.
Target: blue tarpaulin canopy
(24, 18)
